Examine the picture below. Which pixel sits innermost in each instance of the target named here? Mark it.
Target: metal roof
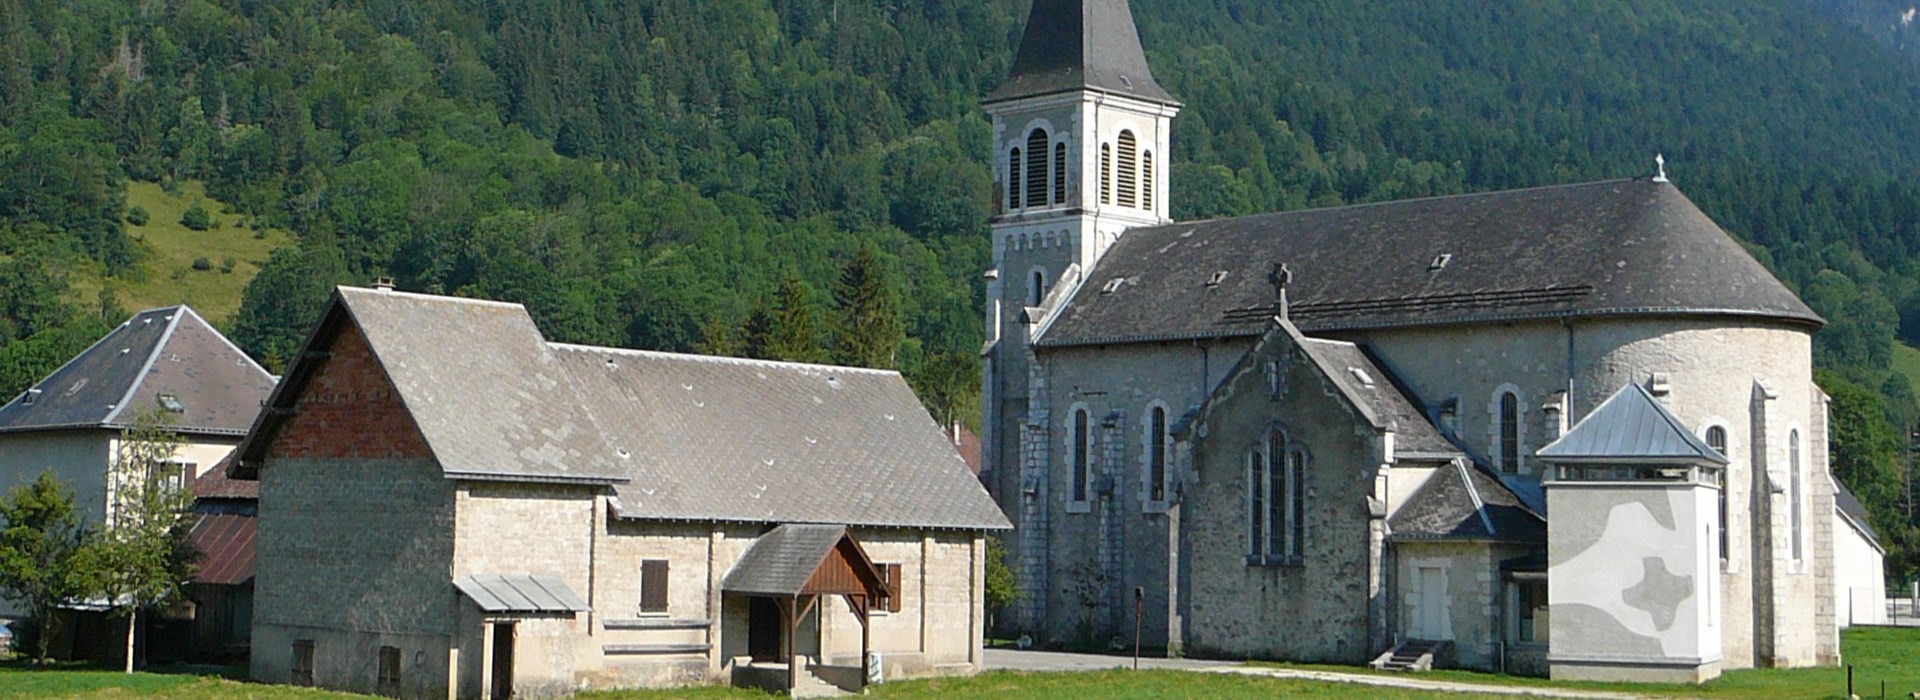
(1854, 512)
(1620, 247)
(781, 561)
(156, 358)
(520, 593)
(1631, 424)
(1080, 44)
(226, 544)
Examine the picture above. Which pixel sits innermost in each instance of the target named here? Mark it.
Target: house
(1373, 433)
(221, 590)
(452, 506)
(1860, 579)
(168, 362)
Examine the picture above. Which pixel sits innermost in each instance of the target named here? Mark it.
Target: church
(1568, 431)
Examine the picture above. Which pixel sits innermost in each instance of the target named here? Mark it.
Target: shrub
(226, 264)
(196, 218)
(202, 264)
(137, 215)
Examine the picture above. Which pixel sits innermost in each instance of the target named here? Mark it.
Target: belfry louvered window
(1037, 168)
(1013, 180)
(1106, 174)
(1129, 170)
(1060, 173)
(1146, 180)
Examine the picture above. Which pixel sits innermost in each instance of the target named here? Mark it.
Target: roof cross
(1281, 278)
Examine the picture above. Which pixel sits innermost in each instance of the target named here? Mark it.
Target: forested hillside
(707, 174)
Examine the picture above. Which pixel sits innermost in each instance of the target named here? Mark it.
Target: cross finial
(1660, 167)
(1281, 278)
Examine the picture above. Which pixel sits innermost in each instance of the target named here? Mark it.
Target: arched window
(1037, 288)
(1296, 503)
(1793, 492)
(1717, 439)
(1146, 180)
(1509, 433)
(1013, 180)
(1106, 174)
(1060, 173)
(1082, 434)
(1256, 503)
(1157, 453)
(1129, 170)
(1037, 168)
(1277, 494)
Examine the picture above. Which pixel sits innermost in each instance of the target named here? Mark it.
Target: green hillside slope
(166, 273)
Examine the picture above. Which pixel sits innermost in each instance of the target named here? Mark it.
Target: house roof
(1080, 44)
(225, 543)
(1462, 501)
(1630, 424)
(157, 359)
(1854, 512)
(717, 438)
(520, 593)
(781, 561)
(1365, 383)
(1595, 249)
(214, 484)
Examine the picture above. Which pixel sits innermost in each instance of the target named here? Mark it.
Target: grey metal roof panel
(489, 396)
(520, 593)
(1367, 383)
(170, 351)
(781, 561)
(1074, 44)
(1631, 424)
(1601, 248)
(716, 438)
(1853, 510)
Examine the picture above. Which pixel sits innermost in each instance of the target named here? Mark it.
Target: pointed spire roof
(1080, 44)
(1630, 425)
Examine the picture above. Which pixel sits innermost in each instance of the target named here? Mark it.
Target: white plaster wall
(1859, 582)
(1607, 541)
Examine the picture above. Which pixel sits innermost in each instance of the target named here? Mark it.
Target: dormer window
(171, 404)
(1217, 278)
(1113, 285)
(31, 396)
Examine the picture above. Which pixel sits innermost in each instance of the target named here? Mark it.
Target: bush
(137, 215)
(196, 218)
(202, 264)
(226, 264)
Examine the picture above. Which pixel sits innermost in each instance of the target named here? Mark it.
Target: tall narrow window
(1256, 503)
(1296, 504)
(1510, 433)
(1717, 439)
(890, 593)
(1013, 180)
(1037, 168)
(1060, 173)
(1106, 174)
(1146, 180)
(1129, 170)
(388, 682)
(302, 668)
(1080, 435)
(1277, 495)
(1037, 288)
(1157, 453)
(1793, 492)
(653, 586)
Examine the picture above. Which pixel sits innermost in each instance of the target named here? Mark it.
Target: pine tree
(784, 329)
(868, 332)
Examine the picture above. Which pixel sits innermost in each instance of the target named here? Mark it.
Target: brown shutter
(653, 586)
(894, 588)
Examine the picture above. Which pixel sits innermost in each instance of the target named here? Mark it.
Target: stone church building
(1568, 430)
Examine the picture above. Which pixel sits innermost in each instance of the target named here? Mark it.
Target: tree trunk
(132, 616)
(45, 615)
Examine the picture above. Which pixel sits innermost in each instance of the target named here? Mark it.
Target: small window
(170, 476)
(1146, 180)
(389, 682)
(1082, 447)
(1013, 180)
(1157, 454)
(1037, 288)
(32, 395)
(171, 404)
(890, 590)
(1060, 173)
(1529, 611)
(1216, 278)
(653, 587)
(1113, 285)
(1717, 439)
(302, 670)
(1106, 174)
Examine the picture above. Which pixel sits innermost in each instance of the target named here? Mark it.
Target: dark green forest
(807, 179)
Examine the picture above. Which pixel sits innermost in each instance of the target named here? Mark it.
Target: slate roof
(1365, 383)
(1630, 424)
(169, 351)
(1855, 512)
(214, 484)
(716, 438)
(520, 593)
(1462, 501)
(1597, 249)
(1080, 44)
(781, 561)
(226, 544)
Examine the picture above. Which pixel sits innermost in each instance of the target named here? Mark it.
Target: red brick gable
(348, 409)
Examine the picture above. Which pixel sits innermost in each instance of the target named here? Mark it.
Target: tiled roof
(1080, 44)
(781, 561)
(1596, 249)
(1367, 383)
(520, 593)
(157, 359)
(1462, 501)
(1630, 424)
(225, 543)
(215, 484)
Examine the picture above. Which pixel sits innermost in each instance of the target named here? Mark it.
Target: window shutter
(894, 588)
(653, 586)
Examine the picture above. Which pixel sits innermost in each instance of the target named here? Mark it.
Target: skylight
(172, 403)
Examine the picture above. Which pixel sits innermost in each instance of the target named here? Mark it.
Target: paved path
(1015, 660)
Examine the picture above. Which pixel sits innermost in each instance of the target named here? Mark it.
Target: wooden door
(1431, 615)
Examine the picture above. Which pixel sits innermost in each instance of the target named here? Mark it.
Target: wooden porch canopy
(795, 565)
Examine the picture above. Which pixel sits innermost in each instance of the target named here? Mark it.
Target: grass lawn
(168, 250)
(1906, 361)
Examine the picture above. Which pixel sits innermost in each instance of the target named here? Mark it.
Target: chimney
(384, 284)
(1281, 278)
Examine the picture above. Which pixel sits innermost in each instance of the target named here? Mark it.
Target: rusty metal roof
(520, 593)
(225, 542)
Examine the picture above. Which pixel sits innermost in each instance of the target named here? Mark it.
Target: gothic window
(1106, 174)
(1717, 439)
(1256, 504)
(1129, 170)
(1146, 180)
(1157, 454)
(1082, 435)
(1013, 180)
(1060, 173)
(1509, 432)
(1037, 168)
(1296, 504)
(1793, 492)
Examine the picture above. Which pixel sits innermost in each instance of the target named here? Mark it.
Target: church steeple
(1080, 45)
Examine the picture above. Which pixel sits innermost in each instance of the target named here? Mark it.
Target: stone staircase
(1410, 655)
(808, 684)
